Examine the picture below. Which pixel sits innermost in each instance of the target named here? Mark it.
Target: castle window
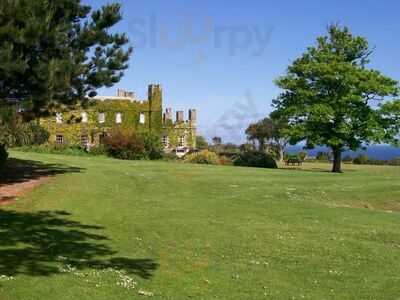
(59, 118)
(84, 117)
(165, 141)
(118, 118)
(102, 118)
(182, 141)
(142, 118)
(59, 139)
(84, 139)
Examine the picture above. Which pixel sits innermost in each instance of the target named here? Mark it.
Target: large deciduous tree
(331, 98)
(58, 51)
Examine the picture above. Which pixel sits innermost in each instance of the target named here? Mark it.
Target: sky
(221, 57)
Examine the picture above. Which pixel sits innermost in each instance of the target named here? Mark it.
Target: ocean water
(382, 152)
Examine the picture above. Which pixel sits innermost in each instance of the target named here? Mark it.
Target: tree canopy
(332, 98)
(58, 51)
(268, 133)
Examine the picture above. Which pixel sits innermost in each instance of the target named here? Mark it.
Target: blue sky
(221, 57)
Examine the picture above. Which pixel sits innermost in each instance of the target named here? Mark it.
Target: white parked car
(181, 151)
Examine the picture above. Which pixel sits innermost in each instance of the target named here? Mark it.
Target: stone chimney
(193, 117)
(125, 94)
(179, 116)
(167, 115)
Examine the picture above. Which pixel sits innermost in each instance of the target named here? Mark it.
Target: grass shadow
(314, 170)
(17, 171)
(35, 244)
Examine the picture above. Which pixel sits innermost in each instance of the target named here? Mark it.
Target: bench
(294, 161)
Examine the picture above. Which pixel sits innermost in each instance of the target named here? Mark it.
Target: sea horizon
(381, 151)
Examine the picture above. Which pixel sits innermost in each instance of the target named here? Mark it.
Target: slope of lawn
(109, 229)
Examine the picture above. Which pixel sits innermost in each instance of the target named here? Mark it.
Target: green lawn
(186, 231)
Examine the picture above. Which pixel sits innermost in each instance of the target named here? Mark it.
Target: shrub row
(74, 150)
(365, 160)
(254, 159)
(127, 144)
(208, 158)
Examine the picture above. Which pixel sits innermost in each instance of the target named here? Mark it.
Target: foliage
(255, 159)
(170, 156)
(3, 156)
(74, 150)
(323, 156)
(97, 150)
(125, 144)
(16, 132)
(246, 147)
(153, 146)
(201, 142)
(57, 52)
(224, 160)
(302, 155)
(228, 150)
(268, 133)
(27, 134)
(394, 162)
(361, 159)
(347, 159)
(203, 157)
(327, 94)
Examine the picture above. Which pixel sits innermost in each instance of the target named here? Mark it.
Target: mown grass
(184, 231)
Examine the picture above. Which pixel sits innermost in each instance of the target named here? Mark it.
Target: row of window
(101, 118)
(182, 141)
(85, 140)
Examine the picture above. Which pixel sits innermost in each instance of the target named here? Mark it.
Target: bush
(98, 150)
(394, 161)
(302, 155)
(324, 156)
(203, 157)
(75, 150)
(153, 146)
(362, 159)
(225, 161)
(255, 159)
(125, 144)
(170, 156)
(347, 159)
(3, 156)
(23, 134)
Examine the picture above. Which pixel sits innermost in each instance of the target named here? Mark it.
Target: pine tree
(57, 52)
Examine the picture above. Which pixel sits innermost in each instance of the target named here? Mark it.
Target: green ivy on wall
(73, 128)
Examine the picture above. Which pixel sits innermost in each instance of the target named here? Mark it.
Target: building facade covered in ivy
(88, 126)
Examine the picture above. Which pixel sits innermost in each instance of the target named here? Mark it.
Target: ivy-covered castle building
(88, 126)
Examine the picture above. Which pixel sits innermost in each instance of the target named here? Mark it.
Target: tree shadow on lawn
(38, 244)
(18, 171)
(313, 169)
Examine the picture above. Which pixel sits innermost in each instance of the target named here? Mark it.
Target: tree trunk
(261, 145)
(337, 160)
(281, 153)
